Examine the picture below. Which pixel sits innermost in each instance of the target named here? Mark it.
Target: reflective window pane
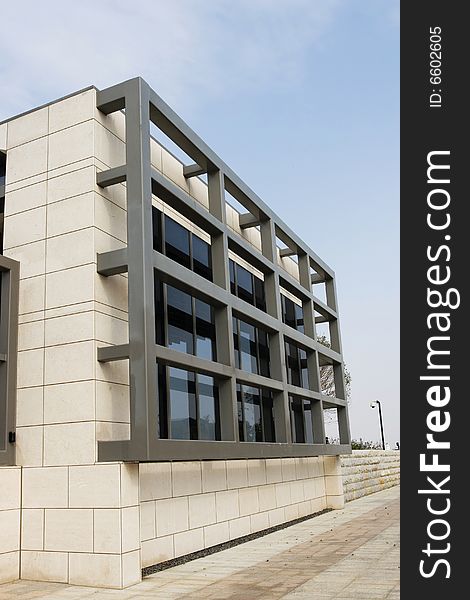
(241, 433)
(162, 402)
(263, 349)
(208, 409)
(289, 311)
(205, 330)
(180, 320)
(157, 229)
(297, 420)
(159, 311)
(248, 354)
(201, 257)
(182, 404)
(292, 364)
(299, 318)
(245, 285)
(303, 368)
(308, 422)
(236, 342)
(177, 242)
(268, 417)
(252, 414)
(255, 414)
(233, 285)
(260, 298)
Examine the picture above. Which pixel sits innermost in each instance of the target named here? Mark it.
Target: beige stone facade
(63, 516)
(368, 471)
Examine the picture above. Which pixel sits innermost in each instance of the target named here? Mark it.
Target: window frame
(159, 220)
(263, 394)
(162, 320)
(238, 362)
(164, 390)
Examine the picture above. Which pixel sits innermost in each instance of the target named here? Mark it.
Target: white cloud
(185, 49)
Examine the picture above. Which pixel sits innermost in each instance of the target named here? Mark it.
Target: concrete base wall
(189, 506)
(10, 501)
(80, 524)
(367, 471)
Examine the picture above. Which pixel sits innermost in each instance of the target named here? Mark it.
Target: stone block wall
(367, 471)
(189, 506)
(10, 503)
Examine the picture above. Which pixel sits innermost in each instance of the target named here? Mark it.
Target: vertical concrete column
(318, 422)
(338, 369)
(276, 340)
(307, 303)
(223, 314)
(334, 324)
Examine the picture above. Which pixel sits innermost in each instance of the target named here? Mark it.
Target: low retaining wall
(367, 471)
(189, 506)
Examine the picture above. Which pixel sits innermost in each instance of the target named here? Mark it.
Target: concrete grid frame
(140, 261)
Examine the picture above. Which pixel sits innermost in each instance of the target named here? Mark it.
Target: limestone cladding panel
(367, 471)
(10, 503)
(188, 506)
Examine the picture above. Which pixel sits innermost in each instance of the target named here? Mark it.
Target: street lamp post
(373, 405)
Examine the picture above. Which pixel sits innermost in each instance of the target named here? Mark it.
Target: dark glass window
(180, 320)
(188, 405)
(177, 242)
(233, 285)
(3, 168)
(297, 420)
(247, 286)
(181, 245)
(201, 257)
(255, 414)
(183, 424)
(248, 348)
(260, 298)
(157, 229)
(208, 407)
(296, 364)
(308, 422)
(162, 401)
(292, 313)
(299, 318)
(251, 348)
(301, 420)
(183, 322)
(205, 330)
(159, 312)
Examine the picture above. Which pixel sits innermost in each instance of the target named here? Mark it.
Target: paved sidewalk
(351, 554)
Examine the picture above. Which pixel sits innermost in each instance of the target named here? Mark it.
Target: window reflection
(296, 365)
(188, 405)
(255, 414)
(301, 420)
(182, 404)
(246, 285)
(292, 313)
(184, 323)
(180, 244)
(251, 348)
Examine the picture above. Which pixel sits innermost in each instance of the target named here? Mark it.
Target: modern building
(162, 374)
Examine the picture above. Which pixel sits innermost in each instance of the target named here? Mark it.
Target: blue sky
(299, 97)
